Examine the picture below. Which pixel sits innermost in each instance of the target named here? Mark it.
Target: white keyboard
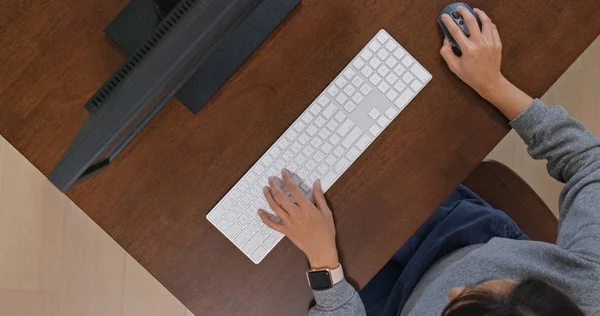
(325, 140)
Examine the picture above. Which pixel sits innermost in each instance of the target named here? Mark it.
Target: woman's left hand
(310, 227)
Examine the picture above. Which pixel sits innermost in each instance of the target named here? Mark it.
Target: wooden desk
(153, 199)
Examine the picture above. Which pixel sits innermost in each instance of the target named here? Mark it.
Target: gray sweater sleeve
(340, 300)
(573, 157)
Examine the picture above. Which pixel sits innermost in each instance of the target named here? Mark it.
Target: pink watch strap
(337, 275)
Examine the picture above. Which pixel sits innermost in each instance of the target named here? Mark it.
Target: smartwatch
(323, 279)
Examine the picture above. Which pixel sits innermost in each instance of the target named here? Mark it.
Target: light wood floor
(54, 260)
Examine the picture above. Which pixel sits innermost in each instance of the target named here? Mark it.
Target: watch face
(319, 280)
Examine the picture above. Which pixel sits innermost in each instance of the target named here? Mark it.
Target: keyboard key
(314, 177)
(367, 71)
(358, 63)
(391, 61)
(226, 203)
(339, 151)
(407, 60)
(366, 54)
(302, 173)
(365, 89)
(324, 133)
(363, 142)
(307, 117)
(349, 90)
(291, 134)
(254, 225)
(383, 121)
(267, 160)
(296, 147)
(340, 116)
(328, 180)
(341, 98)
(383, 87)
(254, 242)
(331, 160)
(318, 156)
(357, 98)
(243, 203)
(375, 129)
(243, 186)
(323, 168)
(250, 177)
(349, 73)
(326, 147)
(299, 126)
(332, 125)
(391, 112)
(350, 106)
(399, 52)
(404, 98)
(308, 151)
(269, 242)
(233, 230)
(375, 79)
(260, 201)
(231, 216)
(383, 54)
(265, 229)
(316, 142)
(399, 69)
(310, 164)
(272, 172)
(323, 100)
(352, 153)
(357, 81)
(391, 95)
(375, 62)
(279, 164)
(223, 224)
(374, 113)
(292, 167)
(334, 139)
(275, 151)
(416, 85)
(243, 237)
(258, 254)
(407, 77)
(300, 159)
(303, 139)
(247, 199)
(382, 37)
(345, 127)
(341, 81)
(399, 86)
(351, 138)
(315, 109)
(341, 165)
(374, 45)
(390, 45)
(216, 214)
(333, 90)
(383, 70)
(391, 78)
(235, 194)
(312, 130)
(329, 111)
(423, 75)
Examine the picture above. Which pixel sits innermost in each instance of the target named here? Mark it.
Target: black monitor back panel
(138, 20)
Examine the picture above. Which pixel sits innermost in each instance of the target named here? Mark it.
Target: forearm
(509, 99)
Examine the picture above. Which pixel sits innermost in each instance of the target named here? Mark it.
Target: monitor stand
(138, 19)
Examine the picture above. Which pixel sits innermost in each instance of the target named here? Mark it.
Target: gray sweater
(571, 265)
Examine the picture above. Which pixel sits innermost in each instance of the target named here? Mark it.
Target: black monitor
(182, 44)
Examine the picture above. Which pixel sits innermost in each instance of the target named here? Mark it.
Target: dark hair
(531, 297)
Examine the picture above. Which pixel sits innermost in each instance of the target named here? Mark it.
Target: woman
(520, 276)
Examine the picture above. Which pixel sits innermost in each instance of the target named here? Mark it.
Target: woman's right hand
(479, 65)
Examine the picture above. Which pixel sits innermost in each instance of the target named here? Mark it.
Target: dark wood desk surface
(153, 199)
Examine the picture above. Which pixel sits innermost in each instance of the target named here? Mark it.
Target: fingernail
(285, 172)
(266, 189)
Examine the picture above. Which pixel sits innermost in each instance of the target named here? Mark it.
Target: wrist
(494, 88)
(328, 260)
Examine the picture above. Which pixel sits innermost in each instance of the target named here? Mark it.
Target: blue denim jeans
(464, 219)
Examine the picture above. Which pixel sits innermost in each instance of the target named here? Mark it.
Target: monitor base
(138, 19)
